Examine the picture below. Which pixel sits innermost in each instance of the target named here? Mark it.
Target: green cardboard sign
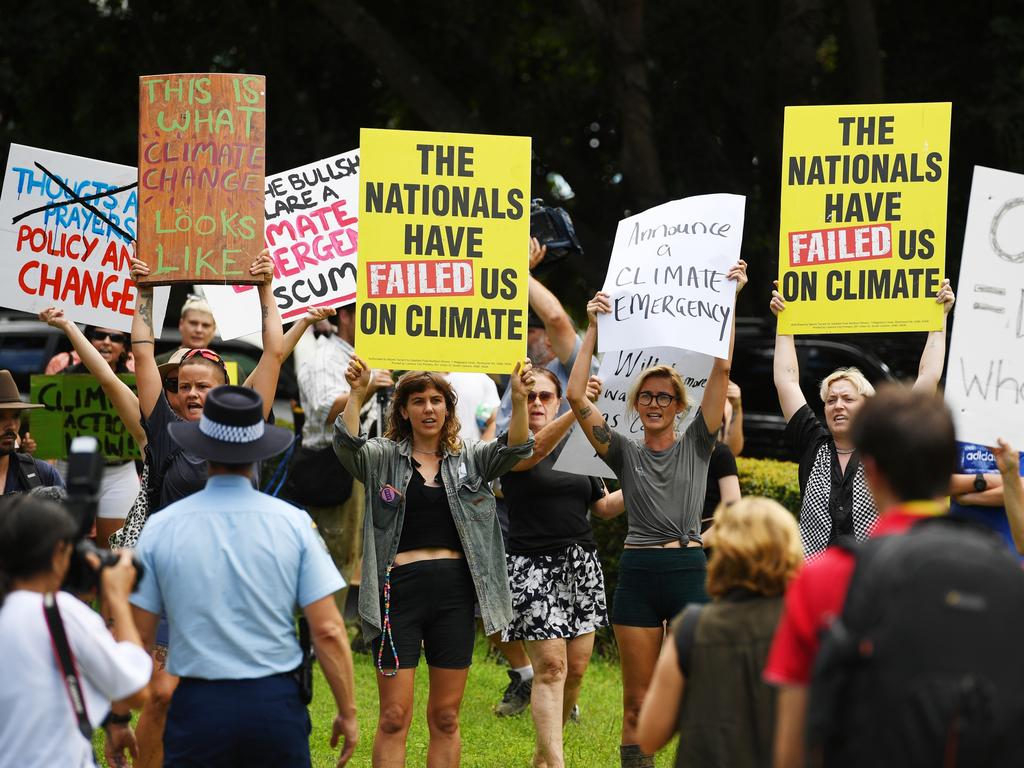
(76, 405)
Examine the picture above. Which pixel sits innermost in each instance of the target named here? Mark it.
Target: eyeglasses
(544, 397)
(171, 384)
(663, 399)
(209, 354)
(115, 338)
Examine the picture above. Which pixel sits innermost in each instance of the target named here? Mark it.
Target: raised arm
(786, 367)
(712, 405)
(522, 385)
(933, 357)
(125, 402)
(734, 435)
(552, 433)
(268, 370)
(549, 309)
(589, 418)
(1008, 461)
(147, 375)
(358, 377)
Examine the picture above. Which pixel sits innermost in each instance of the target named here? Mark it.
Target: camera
(85, 472)
(553, 227)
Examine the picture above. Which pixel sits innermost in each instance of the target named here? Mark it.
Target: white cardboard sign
(618, 372)
(985, 375)
(66, 227)
(312, 233)
(666, 276)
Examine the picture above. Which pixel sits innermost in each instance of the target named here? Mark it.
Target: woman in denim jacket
(431, 546)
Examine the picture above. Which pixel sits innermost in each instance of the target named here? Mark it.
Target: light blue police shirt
(229, 565)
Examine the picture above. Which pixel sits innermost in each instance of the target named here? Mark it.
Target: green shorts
(656, 584)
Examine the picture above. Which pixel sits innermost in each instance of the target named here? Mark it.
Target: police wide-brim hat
(232, 429)
(10, 398)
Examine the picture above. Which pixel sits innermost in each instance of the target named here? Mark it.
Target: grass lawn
(487, 741)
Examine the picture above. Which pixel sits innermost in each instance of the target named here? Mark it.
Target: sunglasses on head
(544, 397)
(115, 338)
(208, 354)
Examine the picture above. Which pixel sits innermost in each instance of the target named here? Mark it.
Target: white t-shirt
(473, 390)
(37, 725)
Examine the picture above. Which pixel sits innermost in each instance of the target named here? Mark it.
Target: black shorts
(655, 584)
(431, 606)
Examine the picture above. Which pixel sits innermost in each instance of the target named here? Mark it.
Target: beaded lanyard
(387, 634)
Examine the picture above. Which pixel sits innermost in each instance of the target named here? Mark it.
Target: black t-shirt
(723, 464)
(186, 473)
(428, 516)
(547, 510)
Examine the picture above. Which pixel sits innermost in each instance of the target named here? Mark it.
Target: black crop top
(428, 517)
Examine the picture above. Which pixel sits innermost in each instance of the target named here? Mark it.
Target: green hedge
(758, 477)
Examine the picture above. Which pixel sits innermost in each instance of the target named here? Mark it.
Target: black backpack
(925, 666)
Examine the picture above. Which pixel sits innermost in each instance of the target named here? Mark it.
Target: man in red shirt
(906, 442)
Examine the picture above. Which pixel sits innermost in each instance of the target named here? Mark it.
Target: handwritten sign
(76, 405)
(619, 371)
(201, 163)
(985, 375)
(66, 226)
(444, 245)
(862, 243)
(312, 234)
(666, 276)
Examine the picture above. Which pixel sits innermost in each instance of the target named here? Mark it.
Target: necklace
(845, 451)
(424, 453)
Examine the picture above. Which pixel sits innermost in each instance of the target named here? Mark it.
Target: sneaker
(516, 697)
(574, 715)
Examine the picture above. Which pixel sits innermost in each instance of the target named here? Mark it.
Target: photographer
(37, 718)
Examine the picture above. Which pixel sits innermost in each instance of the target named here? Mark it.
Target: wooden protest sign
(443, 250)
(862, 242)
(618, 372)
(76, 405)
(201, 164)
(312, 234)
(985, 375)
(666, 276)
(66, 226)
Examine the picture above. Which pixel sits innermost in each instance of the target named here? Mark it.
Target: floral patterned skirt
(556, 595)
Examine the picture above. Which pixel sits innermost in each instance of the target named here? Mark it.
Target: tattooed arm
(786, 368)
(589, 417)
(147, 375)
(264, 378)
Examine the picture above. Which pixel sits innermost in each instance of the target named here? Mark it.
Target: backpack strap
(66, 659)
(684, 637)
(27, 471)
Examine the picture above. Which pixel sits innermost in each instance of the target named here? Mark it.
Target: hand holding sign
(522, 381)
(945, 296)
(357, 375)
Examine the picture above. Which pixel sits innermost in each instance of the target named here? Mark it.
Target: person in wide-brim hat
(231, 429)
(10, 399)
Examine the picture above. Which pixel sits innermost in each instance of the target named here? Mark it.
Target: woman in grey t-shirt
(663, 480)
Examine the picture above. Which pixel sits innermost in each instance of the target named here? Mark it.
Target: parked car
(763, 425)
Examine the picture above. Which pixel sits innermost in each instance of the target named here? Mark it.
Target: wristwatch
(980, 484)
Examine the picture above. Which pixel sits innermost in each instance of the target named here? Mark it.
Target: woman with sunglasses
(431, 547)
(554, 572)
(663, 480)
(103, 353)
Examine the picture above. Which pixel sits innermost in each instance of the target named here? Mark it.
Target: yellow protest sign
(443, 250)
(862, 241)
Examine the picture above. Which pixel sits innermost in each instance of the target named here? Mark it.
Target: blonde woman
(707, 684)
(835, 497)
(663, 480)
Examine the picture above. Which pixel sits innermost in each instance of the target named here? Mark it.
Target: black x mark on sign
(84, 201)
